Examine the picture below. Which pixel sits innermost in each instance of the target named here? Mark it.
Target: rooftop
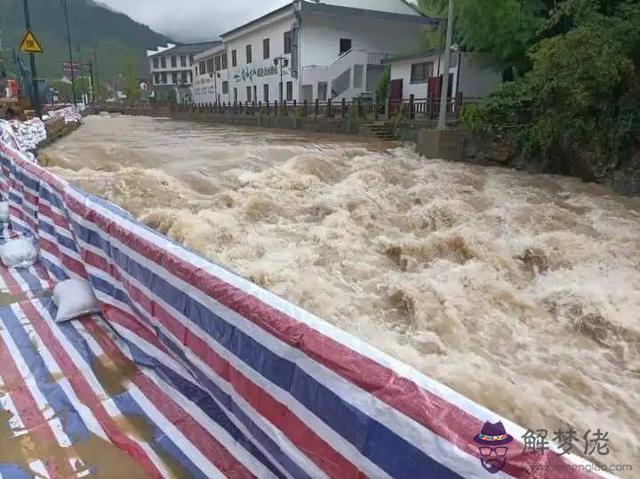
(189, 48)
(387, 9)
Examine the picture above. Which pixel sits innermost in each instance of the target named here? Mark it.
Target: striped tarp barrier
(283, 392)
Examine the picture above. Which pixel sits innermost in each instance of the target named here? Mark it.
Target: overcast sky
(193, 20)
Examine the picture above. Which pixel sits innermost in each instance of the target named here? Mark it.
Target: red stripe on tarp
(116, 315)
(85, 393)
(10, 281)
(428, 409)
(70, 263)
(176, 415)
(58, 220)
(29, 411)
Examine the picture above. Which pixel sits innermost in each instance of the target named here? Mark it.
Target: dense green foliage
(115, 36)
(504, 29)
(579, 105)
(574, 106)
(382, 88)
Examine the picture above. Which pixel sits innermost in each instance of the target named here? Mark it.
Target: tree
(504, 29)
(382, 88)
(132, 83)
(578, 109)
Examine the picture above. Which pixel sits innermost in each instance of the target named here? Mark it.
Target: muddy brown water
(521, 292)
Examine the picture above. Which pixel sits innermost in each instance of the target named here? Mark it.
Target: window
(345, 45)
(196, 70)
(174, 61)
(420, 72)
(322, 91)
(249, 59)
(210, 65)
(174, 78)
(265, 93)
(156, 78)
(224, 61)
(225, 87)
(289, 90)
(183, 61)
(191, 60)
(163, 62)
(265, 48)
(248, 93)
(155, 62)
(163, 78)
(218, 63)
(234, 58)
(287, 42)
(185, 78)
(190, 77)
(202, 68)
(235, 95)
(255, 93)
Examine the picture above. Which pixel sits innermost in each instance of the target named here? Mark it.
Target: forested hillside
(115, 36)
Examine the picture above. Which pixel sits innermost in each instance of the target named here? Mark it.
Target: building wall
(208, 86)
(321, 34)
(320, 38)
(260, 71)
(168, 71)
(402, 70)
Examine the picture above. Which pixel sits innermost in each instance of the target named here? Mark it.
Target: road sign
(67, 67)
(30, 44)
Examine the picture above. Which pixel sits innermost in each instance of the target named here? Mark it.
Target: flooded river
(521, 292)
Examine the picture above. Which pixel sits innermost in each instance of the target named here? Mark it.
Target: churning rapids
(521, 292)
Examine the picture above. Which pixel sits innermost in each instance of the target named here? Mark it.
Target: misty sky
(193, 20)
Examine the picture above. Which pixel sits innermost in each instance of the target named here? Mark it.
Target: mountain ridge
(116, 37)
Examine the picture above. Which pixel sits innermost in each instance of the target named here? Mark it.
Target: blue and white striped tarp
(231, 380)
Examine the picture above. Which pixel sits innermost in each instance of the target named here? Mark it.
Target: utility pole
(32, 60)
(91, 84)
(444, 88)
(73, 74)
(96, 87)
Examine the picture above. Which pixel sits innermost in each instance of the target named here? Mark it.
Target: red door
(395, 96)
(395, 90)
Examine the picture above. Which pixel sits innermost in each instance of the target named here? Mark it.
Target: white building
(171, 69)
(471, 75)
(320, 48)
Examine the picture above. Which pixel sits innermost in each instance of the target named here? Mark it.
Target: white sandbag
(19, 253)
(4, 211)
(74, 299)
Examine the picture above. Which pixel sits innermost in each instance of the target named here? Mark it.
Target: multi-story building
(171, 70)
(307, 50)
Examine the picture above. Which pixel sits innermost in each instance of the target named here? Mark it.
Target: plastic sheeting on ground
(191, 368)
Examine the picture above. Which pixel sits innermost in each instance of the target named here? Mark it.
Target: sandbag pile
(28, 134)
(70, 114)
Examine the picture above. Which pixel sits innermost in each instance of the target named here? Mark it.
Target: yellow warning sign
(29, 43)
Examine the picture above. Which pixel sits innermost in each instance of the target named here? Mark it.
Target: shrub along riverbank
(573, 106)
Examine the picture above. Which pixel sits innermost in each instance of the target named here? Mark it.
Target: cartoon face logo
(492, 443)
